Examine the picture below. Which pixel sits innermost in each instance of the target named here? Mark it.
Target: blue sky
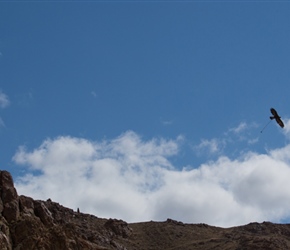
(168, 89)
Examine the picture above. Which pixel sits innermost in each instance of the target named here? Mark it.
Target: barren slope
(33, 224)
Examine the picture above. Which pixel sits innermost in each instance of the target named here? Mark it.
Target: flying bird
(276, 117)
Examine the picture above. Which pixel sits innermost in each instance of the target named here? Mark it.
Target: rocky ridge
(34, 224)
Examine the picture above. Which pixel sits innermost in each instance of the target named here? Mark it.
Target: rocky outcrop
(119, 227)
(9, 197)
(27, 224)
(33, 224)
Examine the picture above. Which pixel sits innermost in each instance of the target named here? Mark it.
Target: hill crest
(26, 223)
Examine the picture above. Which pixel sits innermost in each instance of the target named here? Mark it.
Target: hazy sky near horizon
(148, 110)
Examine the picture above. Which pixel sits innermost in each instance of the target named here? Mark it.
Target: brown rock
(11, 211)
(41, 211)
(9, 197)
(1, 206)
(4, 242)
(26, 205)
(119, 227)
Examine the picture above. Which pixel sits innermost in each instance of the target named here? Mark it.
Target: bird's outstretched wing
(274, 112)
(279, 121)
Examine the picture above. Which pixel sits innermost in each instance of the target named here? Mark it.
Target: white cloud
(241, 127)
(212, 146)
(133, 179)
(244, 133)
(4, 100)
(166, 122)
(286, 129)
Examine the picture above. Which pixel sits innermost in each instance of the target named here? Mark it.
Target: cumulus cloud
(135, 180)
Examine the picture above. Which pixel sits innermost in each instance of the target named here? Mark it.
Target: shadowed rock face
(33, 224)
(9, 197)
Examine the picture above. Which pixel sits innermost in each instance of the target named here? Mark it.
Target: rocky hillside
(33, 224)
